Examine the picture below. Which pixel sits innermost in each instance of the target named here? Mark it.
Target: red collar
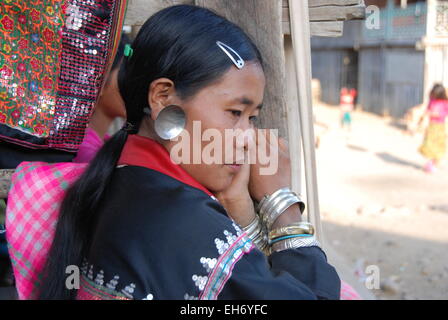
(145, 152)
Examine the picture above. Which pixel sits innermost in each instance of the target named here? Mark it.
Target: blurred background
(381, 202)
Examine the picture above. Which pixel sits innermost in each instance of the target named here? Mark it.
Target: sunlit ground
(380, 208)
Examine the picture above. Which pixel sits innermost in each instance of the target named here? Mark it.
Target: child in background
(110, 105)
(434, 143)
(346, 104)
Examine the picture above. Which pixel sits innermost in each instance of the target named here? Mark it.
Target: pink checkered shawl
(37, 190)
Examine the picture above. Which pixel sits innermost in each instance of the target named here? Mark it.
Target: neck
(100, 122)
(147, 130)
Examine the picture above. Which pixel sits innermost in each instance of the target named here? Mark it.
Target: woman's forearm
(291, 215)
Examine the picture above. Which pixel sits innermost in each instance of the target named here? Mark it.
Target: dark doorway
(349, 70)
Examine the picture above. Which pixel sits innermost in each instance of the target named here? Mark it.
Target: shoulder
(177, 240)
(151, 198)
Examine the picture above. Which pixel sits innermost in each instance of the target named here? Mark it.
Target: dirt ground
(380, 208)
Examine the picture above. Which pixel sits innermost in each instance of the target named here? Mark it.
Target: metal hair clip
(239, 63)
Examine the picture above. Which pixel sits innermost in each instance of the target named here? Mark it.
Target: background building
(392, 67)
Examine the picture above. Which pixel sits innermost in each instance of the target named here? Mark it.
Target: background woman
(434, 143)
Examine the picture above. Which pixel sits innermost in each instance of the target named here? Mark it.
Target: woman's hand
(276, 150)
(261, 185)
(236, 198)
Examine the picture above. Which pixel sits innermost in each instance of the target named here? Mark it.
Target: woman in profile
(142, 227)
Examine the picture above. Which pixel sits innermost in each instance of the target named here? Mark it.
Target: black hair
(124, 40)
(178, 43)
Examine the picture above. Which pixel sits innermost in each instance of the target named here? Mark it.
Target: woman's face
(110, 100)
(232, 103)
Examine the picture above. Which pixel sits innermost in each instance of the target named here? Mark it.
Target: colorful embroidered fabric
(89, 291)
(53, 57)
(95, 287)
(220, 268)
(36, 193)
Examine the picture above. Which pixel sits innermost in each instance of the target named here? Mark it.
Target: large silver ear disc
(170, 122)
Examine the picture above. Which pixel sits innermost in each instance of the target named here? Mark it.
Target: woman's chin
(221, 184)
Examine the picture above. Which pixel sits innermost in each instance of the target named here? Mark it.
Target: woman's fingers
(243, 176)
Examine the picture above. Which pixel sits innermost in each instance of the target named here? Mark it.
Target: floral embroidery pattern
(219, 269)
(94, 287)
(53, 57)
(27, 38)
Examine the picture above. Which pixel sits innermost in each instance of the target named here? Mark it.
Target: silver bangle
(261, 206)
(267, 203)
(293, 243)
(253, 225)
(271, 207)
(274, 202)
(262, 242)
(280, 207)
(261, 239)
(257, 233)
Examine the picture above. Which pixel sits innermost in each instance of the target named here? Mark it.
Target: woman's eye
(236, 113)
(253, 118)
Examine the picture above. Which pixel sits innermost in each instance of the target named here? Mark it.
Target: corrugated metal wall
(371, 80)
(390, 80)
(404, 76)
(327, 67)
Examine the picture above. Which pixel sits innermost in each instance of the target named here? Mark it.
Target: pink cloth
(89, 146)
(348, 293)
(37, 190)
(441, 108)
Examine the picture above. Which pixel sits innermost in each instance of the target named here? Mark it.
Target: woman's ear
(161, 92)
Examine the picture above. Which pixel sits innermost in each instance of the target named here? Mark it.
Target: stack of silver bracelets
(300, 234)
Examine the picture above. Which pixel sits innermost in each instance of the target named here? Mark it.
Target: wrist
(246, 219)
(241, 211)
(282, 208)
(291, 215)
(282, 202)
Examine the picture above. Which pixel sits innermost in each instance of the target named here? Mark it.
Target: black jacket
(164, 239)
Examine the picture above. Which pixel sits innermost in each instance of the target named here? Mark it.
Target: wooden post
(261, 19)
(300, 33)
(292, 104)
(139, 11)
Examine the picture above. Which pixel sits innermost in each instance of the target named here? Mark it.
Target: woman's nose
(245, 124)
(246, 137)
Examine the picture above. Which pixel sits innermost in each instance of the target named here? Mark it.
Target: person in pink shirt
(110, 105)
(434, 143)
